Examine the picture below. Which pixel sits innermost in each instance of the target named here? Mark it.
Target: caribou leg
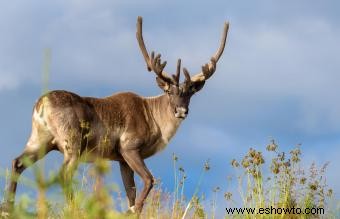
(66, 173)
(136, 163)
(129, 184)
(19, 164)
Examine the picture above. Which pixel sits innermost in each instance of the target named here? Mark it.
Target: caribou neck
(163, 115)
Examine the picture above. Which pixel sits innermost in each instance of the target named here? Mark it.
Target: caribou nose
(181, 112)
(185, 111)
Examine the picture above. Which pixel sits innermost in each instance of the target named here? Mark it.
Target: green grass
(279, 181)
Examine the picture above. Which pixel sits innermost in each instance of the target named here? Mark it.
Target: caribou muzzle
(181, 112)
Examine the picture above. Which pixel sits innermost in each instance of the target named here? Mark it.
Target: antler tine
(223, 41)
(209, 68)
(178, 72)
(153, 63)
(187, 81)
(139, 36)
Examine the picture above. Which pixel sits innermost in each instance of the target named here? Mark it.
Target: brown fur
(113, 118)
(87, 128)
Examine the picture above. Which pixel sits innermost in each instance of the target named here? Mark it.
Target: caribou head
(179, 94)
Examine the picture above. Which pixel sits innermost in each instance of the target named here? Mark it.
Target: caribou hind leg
(136, 163)
(33, 151)
(39, 144)
(129, 184)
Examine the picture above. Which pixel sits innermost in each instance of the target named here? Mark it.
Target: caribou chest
(168, 130)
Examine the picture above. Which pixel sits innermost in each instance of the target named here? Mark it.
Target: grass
(284, 184)
(280, 183)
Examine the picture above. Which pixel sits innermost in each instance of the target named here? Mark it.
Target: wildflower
(313, 186)
(272, 146)
(216, 189)
(174, 157)
(256, 173)
(295, 155)
(228, 196)
(252, 152)
(245, 162)
(195, 199)
(275, 166)
(234, 163)
(287, 163)
(258, 158)
(206, 165)
(303, 180)
(323, 168)
(281, 156)
(329, 192)
(275, 170)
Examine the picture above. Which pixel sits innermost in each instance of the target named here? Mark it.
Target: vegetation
(283, 184)
(286, 185)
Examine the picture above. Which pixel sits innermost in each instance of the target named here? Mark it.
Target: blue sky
(278, 78)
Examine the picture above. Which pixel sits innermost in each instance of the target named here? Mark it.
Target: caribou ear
(162, 84)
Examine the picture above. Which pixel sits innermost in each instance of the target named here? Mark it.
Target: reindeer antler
(154, 63)
(209, 68)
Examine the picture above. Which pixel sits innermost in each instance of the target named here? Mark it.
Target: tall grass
(283, 183)
(279, 182)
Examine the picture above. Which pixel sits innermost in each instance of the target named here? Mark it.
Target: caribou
(123, 127)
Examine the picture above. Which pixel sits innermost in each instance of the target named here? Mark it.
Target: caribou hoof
(131, 210)
(134, 210)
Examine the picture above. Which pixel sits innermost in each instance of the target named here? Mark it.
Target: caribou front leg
(136, 163)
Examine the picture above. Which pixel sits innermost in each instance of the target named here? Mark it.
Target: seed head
(275, 166)
(174, 157)
(228, 196)
(251, 152)
(206, 165)
(234, 163)
(245, 163)
(313, 186)
(295, 155)
(287, 163)
(303, 180)
(272, 146)
(258, 158)
(216, 189)
(329, 192)
(281, 156)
